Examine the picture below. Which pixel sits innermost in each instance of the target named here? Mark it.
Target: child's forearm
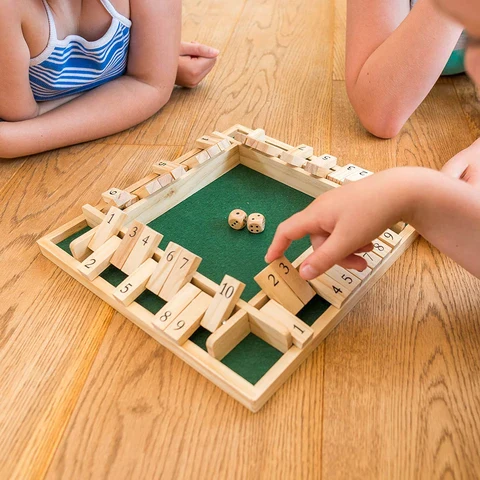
(446, 212)
(108, 109)
(44, 107)
(387, 85)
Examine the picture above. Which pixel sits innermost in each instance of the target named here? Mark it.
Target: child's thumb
(199, 50)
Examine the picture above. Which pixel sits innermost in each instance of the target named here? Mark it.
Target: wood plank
(228, 335)
(220, 309)
(301, 333)
(128, 242)
(172, 309)
(185, 324)
(134, 285)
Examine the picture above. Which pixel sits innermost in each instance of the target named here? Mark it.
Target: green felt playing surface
(199, 224)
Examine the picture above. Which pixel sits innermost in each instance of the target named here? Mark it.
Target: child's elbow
(378, 118)
(382, 126)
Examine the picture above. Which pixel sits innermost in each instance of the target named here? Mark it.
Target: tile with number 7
(182, 272)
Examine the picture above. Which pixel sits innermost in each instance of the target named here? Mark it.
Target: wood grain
(392, 393)
(274, 74)
(51, 328)
(210, 22)
(145, 414)
(401, 376)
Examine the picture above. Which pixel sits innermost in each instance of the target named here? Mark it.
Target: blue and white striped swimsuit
(74, 65)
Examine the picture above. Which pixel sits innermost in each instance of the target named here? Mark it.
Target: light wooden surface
(391, 393)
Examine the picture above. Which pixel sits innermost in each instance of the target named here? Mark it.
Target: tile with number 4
(143, 248)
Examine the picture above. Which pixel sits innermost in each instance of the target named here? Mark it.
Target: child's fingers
(366, 248)
(198, 50)
(293, 228)
(337, 248)
(353, 261)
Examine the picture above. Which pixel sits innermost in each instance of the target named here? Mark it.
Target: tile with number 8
(185, 324)
(175, 306)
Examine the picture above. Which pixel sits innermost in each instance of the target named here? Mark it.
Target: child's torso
(75, 45)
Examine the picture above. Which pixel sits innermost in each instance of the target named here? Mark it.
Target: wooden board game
(199, 295)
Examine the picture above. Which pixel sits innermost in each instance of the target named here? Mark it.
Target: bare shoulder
(122, 7)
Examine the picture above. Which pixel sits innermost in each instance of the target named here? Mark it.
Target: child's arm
(119, 104)
(393, 59)
(444, 210)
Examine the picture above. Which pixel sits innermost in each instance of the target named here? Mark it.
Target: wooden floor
(392, 393)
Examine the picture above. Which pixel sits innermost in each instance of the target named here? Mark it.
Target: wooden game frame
(145, 210)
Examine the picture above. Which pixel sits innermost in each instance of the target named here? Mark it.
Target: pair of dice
(238, 219)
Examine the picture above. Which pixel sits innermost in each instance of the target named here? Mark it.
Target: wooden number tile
(390, 238)
(128, 242)
(202, 157)
(355, 177)
(275, 287)
(302, 151)
(240, 137)
(135, 283)
(300, 287)
(345, 278)
(268, 149)
(362, 275)
(398, 227)
(326, 160)
(223, 303)
(381, 248)
(293, 159)
(339, 175)
(166, 178)
(330, 290)
(372, 259)
(315, 166)
(175, 306)
(224, 144)
(176, 170)
(99, 260)
(300, 331)
(164, 267)
(119, 198)
(258, 134)
(144, 248)
(146, 190)
(110, 226)
(182, 272)
(228, 335)
(205, 142)
(182, 328)
(79, 246)
(270, 330)
(190, 163)
(213, 151)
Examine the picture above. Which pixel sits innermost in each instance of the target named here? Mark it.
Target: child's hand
(195, 62)
(465, 165)
(344, 221)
